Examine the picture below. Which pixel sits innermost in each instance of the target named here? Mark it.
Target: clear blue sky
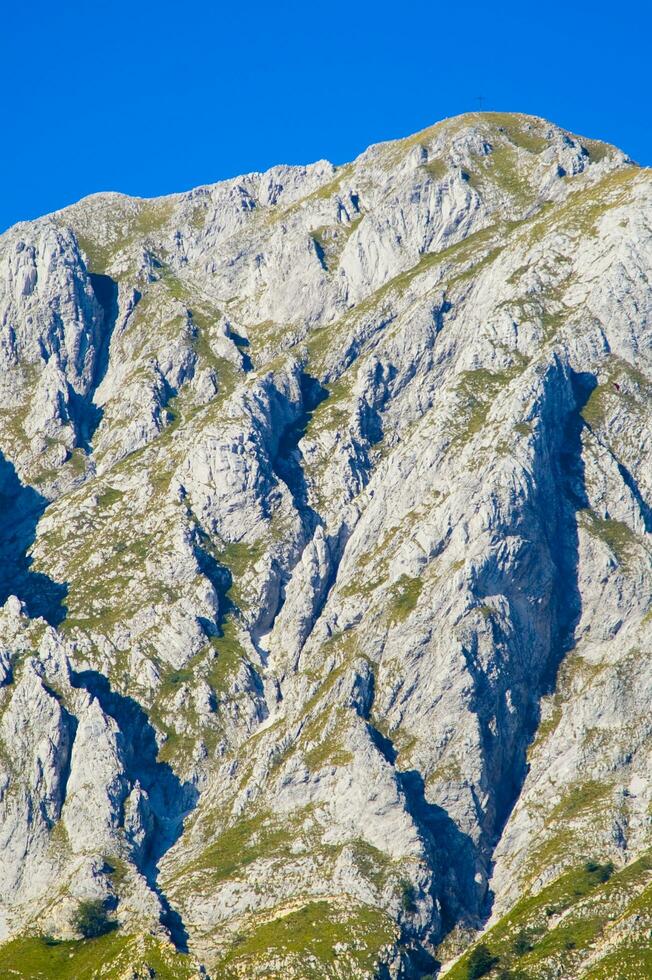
(150, 98)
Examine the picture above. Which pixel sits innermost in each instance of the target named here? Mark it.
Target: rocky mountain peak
(326, 568)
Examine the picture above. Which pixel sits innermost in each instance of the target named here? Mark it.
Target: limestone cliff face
(325, 539)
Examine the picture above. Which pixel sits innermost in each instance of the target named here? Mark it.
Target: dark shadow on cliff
(454, 853)
(70, 726)
(453, 857)
(287, 466)
(88, 415)
(560, 525)
(21, 508)
(456, 859)
(646, 510)
(222, 581)
(242, 343)
(564, 545)
(170, 799)
(287, 463)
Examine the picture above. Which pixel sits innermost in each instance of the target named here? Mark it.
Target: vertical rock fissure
(170, 800)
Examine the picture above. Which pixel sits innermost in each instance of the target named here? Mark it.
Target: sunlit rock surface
(325, 539)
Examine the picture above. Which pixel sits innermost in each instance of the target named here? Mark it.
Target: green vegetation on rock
(316, 941)
(91, 919)
(108, 957)
(557, 927)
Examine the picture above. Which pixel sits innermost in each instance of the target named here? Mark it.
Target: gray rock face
(326, 549)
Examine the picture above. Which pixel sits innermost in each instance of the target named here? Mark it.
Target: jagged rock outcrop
(326, 575)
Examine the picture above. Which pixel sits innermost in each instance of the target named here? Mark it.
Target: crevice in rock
(336, 544)
(319, 252)
(170, 799)
(287, 465)
(563, 494)
(21, 508)
(221, 579)
(64, 755)
(287, 461)
(87, 414)
(564, 541)
(106, 294)
(242, 343)
(173, 922)
(644, 507)
(453, 856)
(462, 867)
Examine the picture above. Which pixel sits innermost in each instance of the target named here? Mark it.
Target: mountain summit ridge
(482, 117)
(326, 567)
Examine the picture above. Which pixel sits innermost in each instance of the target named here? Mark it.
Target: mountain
(326, 570)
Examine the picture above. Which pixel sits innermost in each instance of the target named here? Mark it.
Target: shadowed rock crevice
(644, 507)
(573, 498)
(242, 344)
(461, 866)
(563, 493)
(21, 508)
(71, 725)
(86, 413)
(170, 800)
(453, 857)
(222, 581)
(106, 294)
(287, 463)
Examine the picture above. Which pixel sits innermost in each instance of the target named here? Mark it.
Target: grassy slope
(110, 957)
(582, 924)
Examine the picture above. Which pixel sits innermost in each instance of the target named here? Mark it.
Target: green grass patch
(404, 597)
(109, 497)
(618, 536)
(597, 150)
(546, 728)
(373, 863)
(580, 799)
(110, 957)
(523, 133)
(504, 169)
(308, 938)
(435, 168)
(329, 752)
(580, 212)
(240, 557)
(230, 655)
(475, 393)
(236, 848)
(556, 925)
(132, 220)
(632, 960)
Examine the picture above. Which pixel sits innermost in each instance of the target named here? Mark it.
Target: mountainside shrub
(480, 962)
(91, 919)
